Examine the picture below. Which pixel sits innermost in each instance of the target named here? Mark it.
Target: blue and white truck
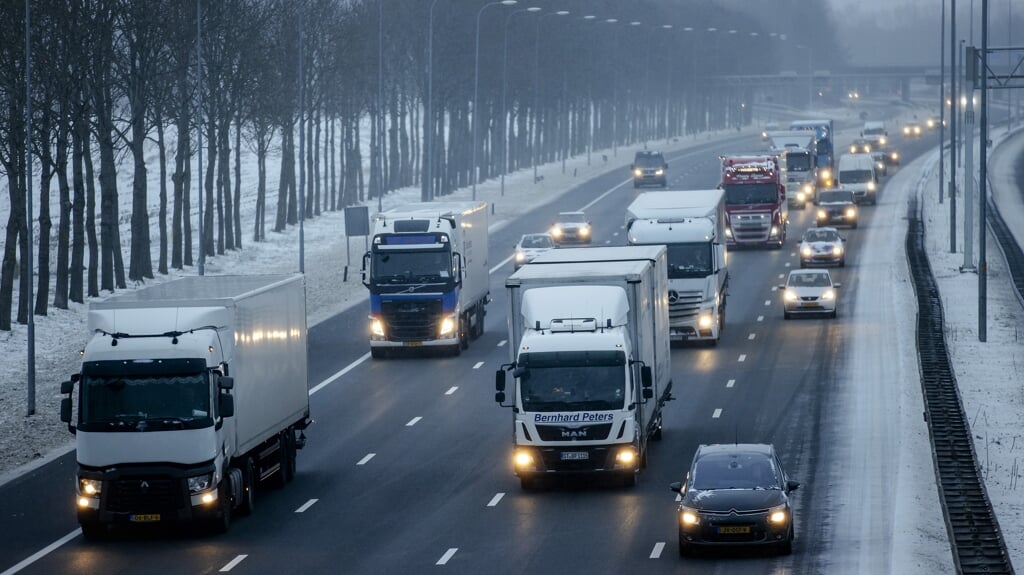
(590, 358)
(427, 275)
(824, 149)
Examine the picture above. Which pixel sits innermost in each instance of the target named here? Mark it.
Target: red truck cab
(756, 212)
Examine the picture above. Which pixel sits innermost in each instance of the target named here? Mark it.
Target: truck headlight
(808, 189)
(448, 324)
(853, 149)
(828, 295)
(826, 174)
(789, 295)
(625, 456)
(376, 326)
(728, 232)
(895, 156)
(689, 516)
(774, 232)
(200, 483)
(705, 321)
(851, 213)
(638, 173)
(822, 214)
(882, 141)
(90, 487)
(522, 459)
(806, 251)
(800, 197)
(778, 515)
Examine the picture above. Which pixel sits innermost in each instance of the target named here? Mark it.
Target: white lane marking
(42, 553)
(716, 414)
(743, 357)
(775, 288)
(658, 548)
(413, 421)
(494, 500)
(616, 234)
(767, 302)
(760, 318)
(366, 459)
(752, 336)
(730, 383)
(791, 254)
(782, 276)
(334, 377)
(233, 563)
(447, 555)
(478, 365)
(502, 343)
(451, 390)
(306, 506)
(787, 264)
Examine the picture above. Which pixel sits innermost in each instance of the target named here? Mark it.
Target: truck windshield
(157, 402)
(743, 194)
(413, 266)
(855, 176)
(556, 385)
(874, 132)
(798, 162)
(689, 260)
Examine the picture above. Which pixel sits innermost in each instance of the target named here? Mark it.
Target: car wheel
(685, 549)
(629, 479)
(802, 264)
(842, 263)
(832, 314)
(94, 531)
(854, 226)
(786, 547)
(378, 353)
(530, 483)
(786, 315)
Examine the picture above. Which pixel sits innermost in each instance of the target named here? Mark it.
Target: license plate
(734, 529)
(413, 343)
(150, 518)
(575, 455)
(808, 304)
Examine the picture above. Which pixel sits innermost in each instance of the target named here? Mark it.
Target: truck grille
(751, 227)
(411, 320)
(683, 305)
(143, 494)
(582, 433)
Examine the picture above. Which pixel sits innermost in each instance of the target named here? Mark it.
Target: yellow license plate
(413, 343)
(147, 518)
(734, 529)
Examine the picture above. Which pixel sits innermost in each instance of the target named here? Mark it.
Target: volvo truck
(756, 209)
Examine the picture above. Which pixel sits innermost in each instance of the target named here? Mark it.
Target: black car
(735, 494)
(649, 169)
(836, 208)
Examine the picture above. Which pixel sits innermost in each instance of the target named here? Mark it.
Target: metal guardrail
(976, 540)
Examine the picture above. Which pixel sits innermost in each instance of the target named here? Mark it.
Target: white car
(822, 247)
(809, 292)
(571, 228)
(531, 246)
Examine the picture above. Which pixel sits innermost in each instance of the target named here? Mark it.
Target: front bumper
(547, 461)
(734, 529)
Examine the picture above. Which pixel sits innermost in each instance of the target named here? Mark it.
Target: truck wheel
(629, 479)
(291, 448)
(378, 352)
(94, 531)
(248, 503)
(220, 524)
(464, 333)
(478, 326)
(280, 479)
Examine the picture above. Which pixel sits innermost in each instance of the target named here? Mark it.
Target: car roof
(533, 235)
(809, 271)
(766, 449)
(570, 213)
(648, 153)
(821, 229)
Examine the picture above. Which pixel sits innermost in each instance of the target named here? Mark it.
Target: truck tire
(221, 524)
(280, 479)
(291, 448)
(464, 333)
(94, 531)
(478, 323)
(629, 479)
(248, 503)
(378, 352)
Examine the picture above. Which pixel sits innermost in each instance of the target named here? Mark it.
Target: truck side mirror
(366, 269)
(67, 387)
(499, 381)
(646, 378)
(499, 397)
(226, 382)
(227, 405)
(65, 412)
(648, 393)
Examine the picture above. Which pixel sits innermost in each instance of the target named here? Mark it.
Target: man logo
(673, 296)
(574, 433)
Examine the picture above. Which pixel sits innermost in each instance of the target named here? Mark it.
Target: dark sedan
(735, 494)
(836, 208)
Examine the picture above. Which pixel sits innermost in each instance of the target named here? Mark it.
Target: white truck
(427, 275)
(800, 172)
(590, 357)
(190, 393)
(690, 223)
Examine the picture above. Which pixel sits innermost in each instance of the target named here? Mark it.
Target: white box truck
(427, 275)
(857, 174)
(190, 393)
(590, 357)
(690, 223)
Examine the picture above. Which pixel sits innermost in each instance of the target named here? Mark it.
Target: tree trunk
(140, 262)
(237, 209)
(162, 147)
(211, 144)
(79, 142)
(60, 292)
(45, 222)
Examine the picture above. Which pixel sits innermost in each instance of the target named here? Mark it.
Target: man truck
(589, 351)
(756, 210)
(190, 393)
(691, 224)
(427, 275)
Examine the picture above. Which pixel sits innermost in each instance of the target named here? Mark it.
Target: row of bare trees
(137, 84)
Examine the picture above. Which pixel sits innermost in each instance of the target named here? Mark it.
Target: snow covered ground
(886, 517)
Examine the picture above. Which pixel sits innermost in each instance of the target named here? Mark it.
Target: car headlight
(879, 166)
(895, 156)
(871, 186)
(200, 483)
(638, 173)
(790, 295)
(917, 129)
(448, 324)
(778, 515)
(837, 250)
(806, 251)
(882, 141)
(822, 214)
(90, 487)
(829, 295)
(584, 231)
(556, 231)
(689, 516)
(826, 174)
(851, 213)
(520, 257)
(906, 131)
(376, 326)
(800, 197)
(659, 172)
(867, 148)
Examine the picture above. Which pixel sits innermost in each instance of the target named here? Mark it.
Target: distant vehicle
(571, 228)
(861, 146)
(931, 122)
(768, 128)
(735, 494)
(530, 246)
(822, 246)
(881, 165)
(854, 95)
(912, 130)
(892, 157)
(809, 292)
(824, 148)
(649, 169)
(836, 207)
(857, 174)
(875, 133)
(756, 208)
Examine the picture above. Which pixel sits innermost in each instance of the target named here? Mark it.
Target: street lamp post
(504, 105)
(615, 95)
(954, 101)
(942, 99)
(476, 85)
(428, 147)
(380, 105)
(536, 90)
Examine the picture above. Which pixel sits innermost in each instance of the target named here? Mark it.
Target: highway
(407, 466)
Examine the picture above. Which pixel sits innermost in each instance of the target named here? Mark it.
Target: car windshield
(874, 132)
(572, 218)
(828, 197)
(809, 280)
(735, 471)
(649, 161)
(820, 235)
(538, 241)
(855, 176)
(742, 194)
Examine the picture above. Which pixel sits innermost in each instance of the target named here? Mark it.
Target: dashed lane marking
(658, 548)
(452, 390)
(233, 563)
(306, 506)
(366, 459)
(717, 414)
(413, 421)
(447, 556)
(730, 383)
(478, 365)
(494, 500)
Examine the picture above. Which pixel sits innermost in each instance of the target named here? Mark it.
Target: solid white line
(366, 459)
(494, 500)
(334, 377)
(451, 390)
(447, 555)
(743, 357)
(760, 318)
(658, 548)
(306, 506)
(413, 421)
(716, 414)
(502, 343)
(730, 383)
(231, 564)
(42, 553)
(752, 336)
(478, 365)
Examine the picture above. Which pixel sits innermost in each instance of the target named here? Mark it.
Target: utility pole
(983, 184)
(954, 101)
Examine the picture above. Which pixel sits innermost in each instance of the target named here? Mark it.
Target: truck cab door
(458, 267)
(364, 273)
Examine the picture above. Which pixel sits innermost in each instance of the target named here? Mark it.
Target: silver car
(822, 247)
(531, 246)
(809, 292)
